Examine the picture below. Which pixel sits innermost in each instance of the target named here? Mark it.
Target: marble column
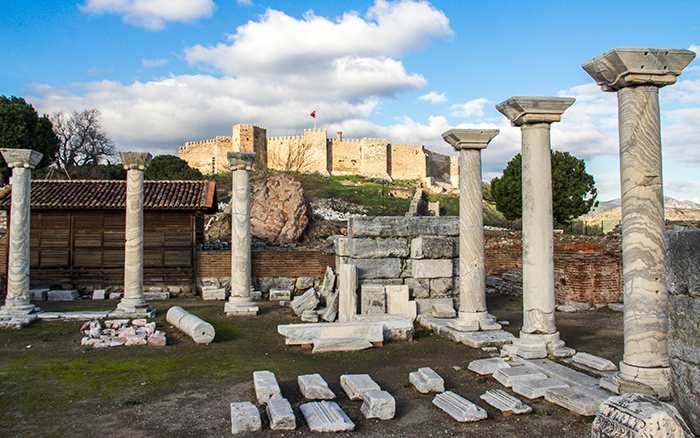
(240, 301)
(133, 302)
(534, 115)
(473, 315)
(17, 301)
(636, 74)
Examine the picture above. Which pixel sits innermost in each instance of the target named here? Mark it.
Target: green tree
(170, 167)
(21, 127)
(573, 190)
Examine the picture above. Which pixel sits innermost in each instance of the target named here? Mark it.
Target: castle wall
(375, 158)
(207, 154)
(250, 138)
(307, 153)
(346, 157)
(407, 161)
(439, 166)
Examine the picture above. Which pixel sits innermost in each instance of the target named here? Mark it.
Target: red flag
(313, 114)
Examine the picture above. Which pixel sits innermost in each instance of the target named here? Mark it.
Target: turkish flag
(313, 114)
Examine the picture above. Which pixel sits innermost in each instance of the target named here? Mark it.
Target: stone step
(378, 404)
(266, 386)
(579, 399)
(508, 376)
(355, 385)
(426, 380)
(280, 414)
(505, 402)
(533, 389)
(561, 373)
(314, 387)
(245, 417)
(458, 407)
(325, 416)
(485, 367)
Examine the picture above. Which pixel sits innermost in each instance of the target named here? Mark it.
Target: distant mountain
(668, 203)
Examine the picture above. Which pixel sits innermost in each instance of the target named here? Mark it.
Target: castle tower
(250, 138)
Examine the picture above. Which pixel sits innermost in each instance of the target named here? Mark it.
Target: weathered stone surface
(378, 404)
(331, 312)
(307, 301)
(424, 306)
(485, 367)
(305, 283)
(280, 414)
(325, 416)
(328, 283)
(356, 385)
(377, 268)
(595, 362)
(473, 339)
(314, 387)
(40, 294)
(100, 294)
(266, 386)
(347, 292)
(581, 400)
(199, 330)
(373, 299)
(397, 302)
(298, 334)
(213, 293)
(441, 287)
(277, 208)
(395, 327)
(245, 417)
(280, 294)
(391, 226)
(561, 373)
(505, 402)
(432, 268)
(418, 288)
(458, 407)
(508, 376)
(433, 248)
(426, 380)
(378, 248)
(444, 310)
(536, 388)
(638, 416)
(62, 295)
(340, 344)
(309, 316)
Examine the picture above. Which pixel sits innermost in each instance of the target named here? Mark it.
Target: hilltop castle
(315, 152)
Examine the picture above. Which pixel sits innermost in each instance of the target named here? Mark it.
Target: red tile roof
(97, 194)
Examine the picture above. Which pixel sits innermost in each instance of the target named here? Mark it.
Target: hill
(668, 203)
(610, 218)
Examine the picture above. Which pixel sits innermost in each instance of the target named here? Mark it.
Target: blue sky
(163, 72)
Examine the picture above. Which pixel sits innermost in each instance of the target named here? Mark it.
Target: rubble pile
(118, 332)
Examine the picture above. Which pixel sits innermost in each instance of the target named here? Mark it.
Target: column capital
(469, 138)
(240, 160)
(526, 110)
(135, 160)
(26, 158)
(630, 66)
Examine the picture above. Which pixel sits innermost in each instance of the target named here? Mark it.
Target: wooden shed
(77, 231)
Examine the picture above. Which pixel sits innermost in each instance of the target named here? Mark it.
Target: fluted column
(240, 301)
(17, 301)
(636, 74)
(534, 115)
(473, 315)
(133, 302)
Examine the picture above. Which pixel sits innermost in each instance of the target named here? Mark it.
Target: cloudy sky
(163, 72)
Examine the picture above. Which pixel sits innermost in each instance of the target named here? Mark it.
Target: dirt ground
(50, 386)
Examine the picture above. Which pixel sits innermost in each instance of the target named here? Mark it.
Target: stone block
(280, 294)
(314, 387)
(372, 299)
(325, 416)
(431, 268)
(100, 294)
(256, 295)
(395, 327)
(505, 402)
(638, 416)
(347, 292)
(41, 294)
(328, 283)
(266, 386)
(508, 376)
(307, 301)
(434, 248)
(418, 288)
(116, 295)
(298, 334)
(378, 248)
(62, 295)
(398, 226)
(309, 316)
(441, 287)
(458, 407)
(580, 400)
(280, 414)
(617, 307)
(683, 263)
(426, 380)
(485, 367)
(377, 268)
(397, 302)
(561, 373)
(536, 388)
(342, 247)
(595, 362)
(356, 385)
(331, 312)
(304, 283)
(340, 344)
(378, 404)
(245, 417)
(444, 310)
(213, 293)
(154, 296)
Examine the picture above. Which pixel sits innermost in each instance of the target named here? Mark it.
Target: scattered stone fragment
(285, 303)
(566, 309)
(325, 416)
(307, 301)
(340, 344)
(256, 295)
(116, 295)
(62, 295)
(580, 400)
(331, 312)
(213, 293)
(595, 362)
(504, 322)
(490, 349)
(458, 407)
(281, 294)
(505, 402)
(199, 330)
(356, 385)
(617, 307)
(533, 389)
(266, 386)
(426, 380)
(244, 418)
(38, 294)
(157, 339)
(444, 310)
(488, 366)
(139, 322)
(378, 404)
(156, 295)
(508, 376)
(116, 323)
(280, 414)
(309, 316)
(328, 283)
(314, 387)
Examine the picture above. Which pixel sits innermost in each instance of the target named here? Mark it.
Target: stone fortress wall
(315, 152)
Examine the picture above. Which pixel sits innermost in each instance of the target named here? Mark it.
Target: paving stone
(307, 301)
(62, 295)
(314, 387)
(280, 294)
(426, 380)
(245, 417)
(355, 385)
(488, 366)
(266, 386)
(73, 315)
(378, 404)
(508, 376)
(280, 414)
(458, 407)
(444, 310)
(505, 402)
(579, 399)
(536, 388)
(325, 416)
(561, 373)
(372, 299)
(340, 344)
(595, 362)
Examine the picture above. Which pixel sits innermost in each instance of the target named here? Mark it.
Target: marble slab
(378, 404)
(488, 366)
(325, 416)
(314, 387)
(508, 376)
(244, 418)
(266, 386)
(298, 334)
(579, 399)
(505, 402)
(340, 344)
(355, 385)
(426, 380)
(533, 389)
(280, 414)
(592, 361)
(561, 373)
(459, 408)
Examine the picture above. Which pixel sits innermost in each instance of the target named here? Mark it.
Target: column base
(241, 306)
(18, 307)
(652, 381)
(133, 308)
(538, 346)
(473, 322)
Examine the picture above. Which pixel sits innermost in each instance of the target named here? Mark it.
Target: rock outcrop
(277, 208)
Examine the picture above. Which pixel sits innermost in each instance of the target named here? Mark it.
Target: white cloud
(469, 109)
(153, 62)
(151, 14)
(433, 97)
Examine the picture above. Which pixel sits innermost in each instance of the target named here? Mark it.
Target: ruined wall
(206, 155)
(439, 166)
(250, 138)
(407, 161)
(375, 159)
